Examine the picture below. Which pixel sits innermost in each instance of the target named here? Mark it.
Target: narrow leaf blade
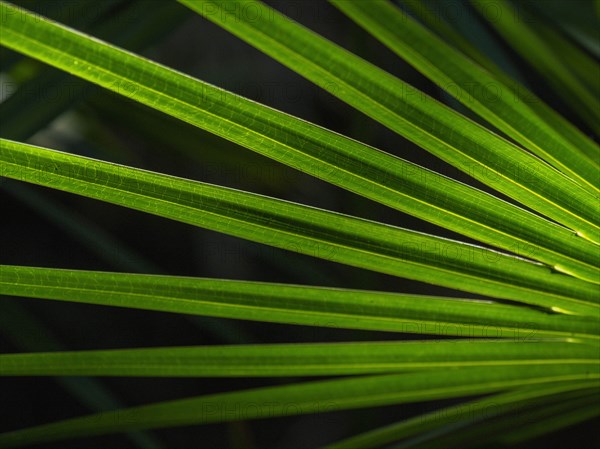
(342, 308)
(298, 359)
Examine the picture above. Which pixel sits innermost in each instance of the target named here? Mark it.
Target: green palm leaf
(311, 231)
(531, 345)
(297, 359)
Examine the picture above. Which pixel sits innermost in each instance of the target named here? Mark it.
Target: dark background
(42, 227)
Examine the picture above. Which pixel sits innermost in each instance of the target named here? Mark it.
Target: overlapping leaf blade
(586, 68)
(512, 25)
(41, 99)
(456, 24)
